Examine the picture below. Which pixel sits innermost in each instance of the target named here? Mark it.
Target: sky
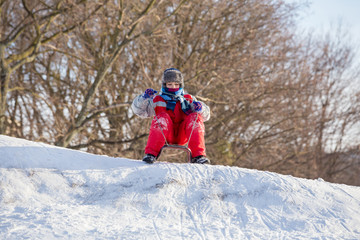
(322, 15)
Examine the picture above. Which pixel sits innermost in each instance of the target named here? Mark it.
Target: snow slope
(48, 192)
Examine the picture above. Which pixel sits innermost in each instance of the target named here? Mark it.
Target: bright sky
(323, 15)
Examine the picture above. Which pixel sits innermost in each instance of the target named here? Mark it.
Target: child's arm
(204, 111)
(199, 107)
(143, 104)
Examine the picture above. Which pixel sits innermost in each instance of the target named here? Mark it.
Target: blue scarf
(171, 97)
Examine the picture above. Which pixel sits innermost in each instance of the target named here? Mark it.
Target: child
(176, 115)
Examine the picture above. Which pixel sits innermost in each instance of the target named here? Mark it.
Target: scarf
(171, 96)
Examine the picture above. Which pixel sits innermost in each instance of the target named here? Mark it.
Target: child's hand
(149, 93)
(197, 106)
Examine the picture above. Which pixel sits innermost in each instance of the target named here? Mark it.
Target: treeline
(280, 101)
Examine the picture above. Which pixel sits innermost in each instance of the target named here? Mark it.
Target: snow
(48, 192)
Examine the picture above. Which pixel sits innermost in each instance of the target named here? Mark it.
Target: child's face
(172, 85)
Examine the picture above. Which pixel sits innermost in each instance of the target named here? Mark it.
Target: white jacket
(144, 107)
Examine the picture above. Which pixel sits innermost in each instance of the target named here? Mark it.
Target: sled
(177, 147)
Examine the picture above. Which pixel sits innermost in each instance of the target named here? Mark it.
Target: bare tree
(26, 27)
(111, 45)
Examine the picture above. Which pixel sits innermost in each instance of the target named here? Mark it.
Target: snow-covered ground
(48, 192)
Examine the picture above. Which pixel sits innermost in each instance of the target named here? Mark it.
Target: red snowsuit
(177, 127)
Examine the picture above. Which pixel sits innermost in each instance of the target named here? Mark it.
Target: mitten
(149, 93)
(197, 106)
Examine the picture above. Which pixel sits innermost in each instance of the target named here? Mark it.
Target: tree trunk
(4, 85)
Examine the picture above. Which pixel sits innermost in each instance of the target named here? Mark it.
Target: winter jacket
(147, 107)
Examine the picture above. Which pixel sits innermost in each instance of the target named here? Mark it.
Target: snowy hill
(48, 192)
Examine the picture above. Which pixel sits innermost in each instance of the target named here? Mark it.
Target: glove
(197, 106)
(149, 93)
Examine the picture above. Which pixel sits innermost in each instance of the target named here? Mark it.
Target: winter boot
(149, 158)
(200, 159)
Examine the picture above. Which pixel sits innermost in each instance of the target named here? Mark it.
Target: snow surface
(48, 192)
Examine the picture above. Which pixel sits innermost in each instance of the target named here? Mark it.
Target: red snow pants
(176, 133)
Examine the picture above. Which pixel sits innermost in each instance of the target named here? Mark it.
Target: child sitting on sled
(178, 117)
